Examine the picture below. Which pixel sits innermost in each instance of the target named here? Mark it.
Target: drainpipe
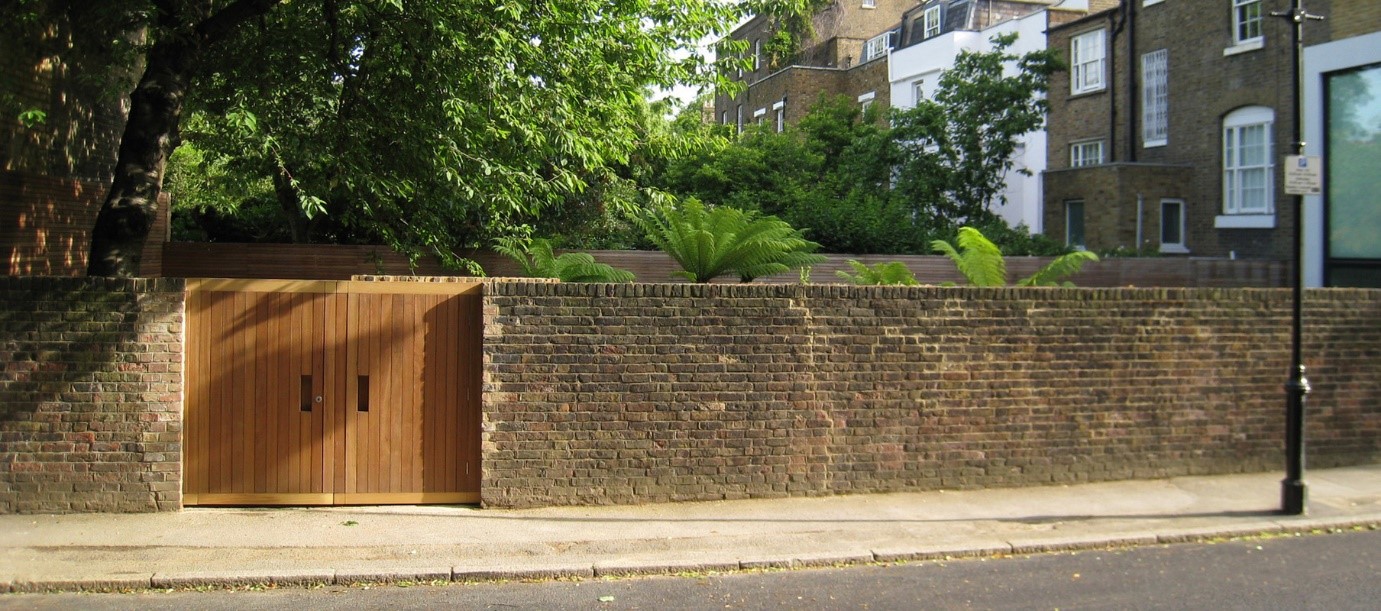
(1132, 74)
(1140, 202)
(1116, 26)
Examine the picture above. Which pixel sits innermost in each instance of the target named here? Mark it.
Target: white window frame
(1173, 247)
(738, 118)
(1239, 209)
(1155, 98)
(877, 46)
(759, 115)
(1085, 153)
(1247, 19)
(870, 3)
(757, 54)
(1069, 222)
(931, 23)
(1087, 53)
(779, 115)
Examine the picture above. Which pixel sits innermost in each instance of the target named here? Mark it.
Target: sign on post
(1303, 175)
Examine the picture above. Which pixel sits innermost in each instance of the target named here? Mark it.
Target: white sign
(1303, 175)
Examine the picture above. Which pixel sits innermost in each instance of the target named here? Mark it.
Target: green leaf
(1055, 271)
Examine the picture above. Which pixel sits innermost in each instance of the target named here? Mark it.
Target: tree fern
(977, 258)
(894, 272)
(538, 260)
(711, 242)
(1065, 265)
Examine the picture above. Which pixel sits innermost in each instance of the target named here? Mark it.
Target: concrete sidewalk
(200, 547)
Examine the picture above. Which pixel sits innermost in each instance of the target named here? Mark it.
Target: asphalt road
(1332, 571)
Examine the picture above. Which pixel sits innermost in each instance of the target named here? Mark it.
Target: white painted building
(938, 31)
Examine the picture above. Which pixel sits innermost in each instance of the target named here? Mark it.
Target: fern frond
(891, 273)
(1060, 268)
(977, 258)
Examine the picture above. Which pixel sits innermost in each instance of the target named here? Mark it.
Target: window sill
(1150, 144)
(1245, 47)
(1080, 94)
(1245, 221)
(1173, 249)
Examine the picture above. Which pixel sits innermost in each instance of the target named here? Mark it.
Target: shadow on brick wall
(90, 395)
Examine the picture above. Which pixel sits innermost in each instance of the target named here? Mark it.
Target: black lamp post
(1293, 491)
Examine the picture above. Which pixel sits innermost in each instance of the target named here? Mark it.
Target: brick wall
(648, 393)
(90, 395)
(46, 222)
(1351, 18)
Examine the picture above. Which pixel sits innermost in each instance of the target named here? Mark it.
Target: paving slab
(212, 547)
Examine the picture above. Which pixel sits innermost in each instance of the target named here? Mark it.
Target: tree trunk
(291, 203)
(152, 132)
(122, 227)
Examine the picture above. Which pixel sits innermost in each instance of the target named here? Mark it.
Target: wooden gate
(324, 392)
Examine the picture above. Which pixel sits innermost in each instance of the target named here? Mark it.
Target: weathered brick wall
(646, 393)
(90, 395)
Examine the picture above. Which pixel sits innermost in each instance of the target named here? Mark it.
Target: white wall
(930, 57)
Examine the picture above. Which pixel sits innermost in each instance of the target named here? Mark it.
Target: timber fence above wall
(338, 262)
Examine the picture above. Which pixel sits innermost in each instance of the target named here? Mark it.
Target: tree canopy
(859, 184)
(419, 123)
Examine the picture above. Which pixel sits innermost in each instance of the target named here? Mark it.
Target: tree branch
(224, 21)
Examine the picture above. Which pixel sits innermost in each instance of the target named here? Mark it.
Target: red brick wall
(90, 395)
(648, 393)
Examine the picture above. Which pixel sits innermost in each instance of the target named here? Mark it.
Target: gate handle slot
(306, 394)
(362, 403)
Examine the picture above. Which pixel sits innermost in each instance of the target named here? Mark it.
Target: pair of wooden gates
(324, 392)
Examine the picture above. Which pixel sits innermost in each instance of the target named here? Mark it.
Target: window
(1155, 98)
(738, 117)
(1172, 226)
(1085, 153)
(779, 111)
(932, 22)
(724, 118)
(869, 3)
(866, 100)
(1074, 224)
(1247, 171)
(1246, 22)
(877, 46)
(1086, 52)
(760, 115)
(757, 54)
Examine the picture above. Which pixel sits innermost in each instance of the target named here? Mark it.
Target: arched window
(1247, 155)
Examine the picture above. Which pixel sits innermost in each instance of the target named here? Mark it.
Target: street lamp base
(1292, 497)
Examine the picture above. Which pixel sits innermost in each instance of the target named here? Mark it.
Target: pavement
(222, 547)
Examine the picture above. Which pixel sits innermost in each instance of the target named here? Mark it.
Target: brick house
(1164, 133)
(847, 54)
